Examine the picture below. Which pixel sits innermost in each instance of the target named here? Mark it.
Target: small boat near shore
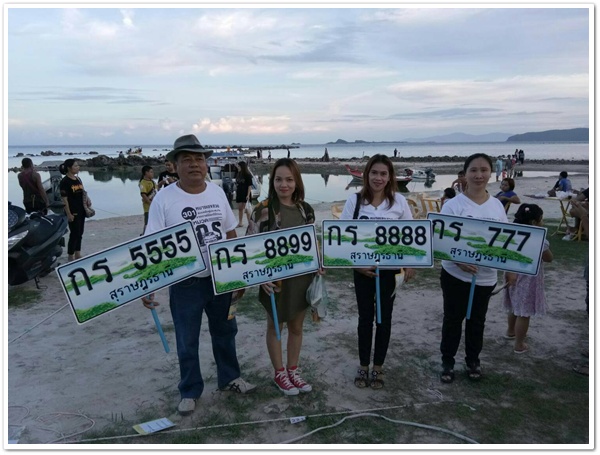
(420, 174)
(402, 180)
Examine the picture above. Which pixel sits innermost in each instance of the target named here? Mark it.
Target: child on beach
(524, 296)
(147, 191)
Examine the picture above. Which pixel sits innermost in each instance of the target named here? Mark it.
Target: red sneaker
(283, 382)
(299, 383)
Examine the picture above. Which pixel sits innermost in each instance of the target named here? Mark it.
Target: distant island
(358, 141)
(572, 135)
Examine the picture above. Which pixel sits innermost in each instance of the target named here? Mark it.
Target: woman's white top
(492, 210)
(398, 211)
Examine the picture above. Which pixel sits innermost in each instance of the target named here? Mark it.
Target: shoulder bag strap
(356, 207)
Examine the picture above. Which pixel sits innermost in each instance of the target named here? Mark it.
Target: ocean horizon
(574, 151)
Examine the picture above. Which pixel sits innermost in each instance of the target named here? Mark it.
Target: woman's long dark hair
(366, 194)
(298, 194)
(244, 169)
(64, 167)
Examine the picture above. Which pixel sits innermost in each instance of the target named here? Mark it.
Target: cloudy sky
(281, 75)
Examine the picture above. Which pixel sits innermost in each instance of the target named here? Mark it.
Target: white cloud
(423, 16)
(128, 18)
(245, 125)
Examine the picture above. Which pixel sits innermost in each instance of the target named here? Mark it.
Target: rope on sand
(45, 319)
(355, 414)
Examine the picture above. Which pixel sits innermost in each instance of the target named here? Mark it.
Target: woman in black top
(71, 193)
(243, 191)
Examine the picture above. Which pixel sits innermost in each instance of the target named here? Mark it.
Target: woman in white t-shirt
(378, 199)
(474, 202)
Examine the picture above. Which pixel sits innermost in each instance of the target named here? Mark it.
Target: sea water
(118, 195)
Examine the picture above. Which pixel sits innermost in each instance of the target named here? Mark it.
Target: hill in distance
(572, 135)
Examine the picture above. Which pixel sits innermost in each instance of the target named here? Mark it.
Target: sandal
(362, 378)
(377, 379)
(474, 372)
(447, 375)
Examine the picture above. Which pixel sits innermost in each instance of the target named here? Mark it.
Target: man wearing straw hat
(203, 203)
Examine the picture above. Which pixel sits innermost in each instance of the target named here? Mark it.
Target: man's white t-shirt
(492, 210)
(399, 211)
(208, 211)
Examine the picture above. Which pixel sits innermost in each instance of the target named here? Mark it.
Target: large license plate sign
(387, 243)
(106, 280)
(505, 246)
(260, 258)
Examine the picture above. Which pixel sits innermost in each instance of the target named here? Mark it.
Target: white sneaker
(282, 381)
(568, 237)
(186, 406)
(239, 386)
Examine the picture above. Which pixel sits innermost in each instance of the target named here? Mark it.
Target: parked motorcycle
(35, 242)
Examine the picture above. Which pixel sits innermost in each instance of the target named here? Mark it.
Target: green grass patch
(285, 260)
(21, 297)
(397, 249)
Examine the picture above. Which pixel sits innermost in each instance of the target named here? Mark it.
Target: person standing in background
(168, 176)
(147, 191)
(35, 198)
(71, 193)
(243, 191)
(499, 167)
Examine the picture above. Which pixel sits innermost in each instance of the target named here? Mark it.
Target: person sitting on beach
(211, 213)
(578, 202)
(563, 183)
(449, 193)
(507, 195)
(460, 184)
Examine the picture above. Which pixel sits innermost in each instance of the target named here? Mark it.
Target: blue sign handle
(160, 330)
(275, 320)
(471, 292)
(377, 295)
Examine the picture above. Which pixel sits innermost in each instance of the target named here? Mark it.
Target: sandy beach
(114, 372)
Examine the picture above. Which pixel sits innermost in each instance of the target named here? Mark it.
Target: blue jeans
(188, 299)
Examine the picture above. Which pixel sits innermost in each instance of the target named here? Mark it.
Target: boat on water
(135, 151)
(420, 174)
(402, 179)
